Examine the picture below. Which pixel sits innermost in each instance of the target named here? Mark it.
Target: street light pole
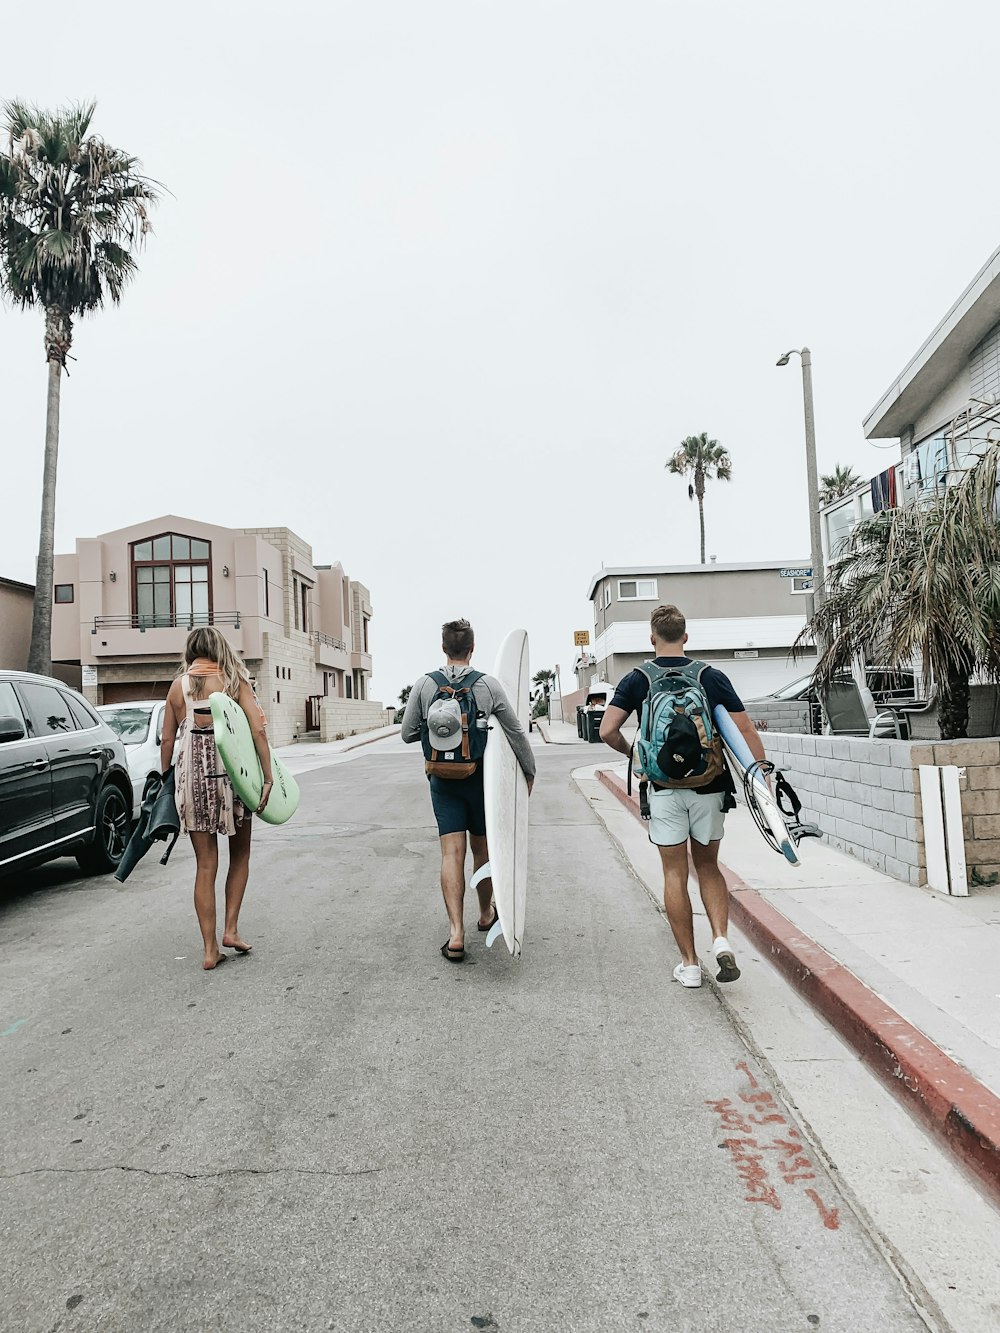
(812, 477)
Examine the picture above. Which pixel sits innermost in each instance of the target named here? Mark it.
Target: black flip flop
(452, 955)
(496, 918)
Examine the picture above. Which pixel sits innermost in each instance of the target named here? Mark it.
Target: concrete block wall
(862, 793)
(865, 795)
(980, 786)
(788, 715)
(285, 679)
(350, 717)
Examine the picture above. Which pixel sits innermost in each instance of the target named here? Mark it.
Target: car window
(9, 706)
(793, 690)
(83, 714)
(47, 711)
(131, 724)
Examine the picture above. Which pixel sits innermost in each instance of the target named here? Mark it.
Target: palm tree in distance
(704, 460)
(545, 680)
(837, 483)
(921, 582)
(73, 212)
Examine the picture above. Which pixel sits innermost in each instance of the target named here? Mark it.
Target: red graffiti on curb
(793, 1163)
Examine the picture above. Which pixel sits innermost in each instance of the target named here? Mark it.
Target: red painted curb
(945, 1097)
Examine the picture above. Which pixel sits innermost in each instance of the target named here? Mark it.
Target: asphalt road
(344, 1132)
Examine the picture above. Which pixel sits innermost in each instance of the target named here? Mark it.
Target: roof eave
(937, 360)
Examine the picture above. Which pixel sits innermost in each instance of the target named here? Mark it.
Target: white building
(742, 618)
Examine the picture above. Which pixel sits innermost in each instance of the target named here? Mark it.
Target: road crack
(192, 1175)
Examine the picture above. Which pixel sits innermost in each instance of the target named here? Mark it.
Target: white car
(140, 726)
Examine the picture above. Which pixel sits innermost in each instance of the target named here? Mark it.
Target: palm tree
(404, 695)
(73, 212)
(837, 483)
(705, 459)
(921, 582)
(544, 680)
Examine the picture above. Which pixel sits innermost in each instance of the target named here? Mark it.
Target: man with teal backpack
(678, 752)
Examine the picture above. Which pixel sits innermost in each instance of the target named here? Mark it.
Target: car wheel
(113, 820)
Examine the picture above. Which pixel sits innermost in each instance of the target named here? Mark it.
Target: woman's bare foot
(234, 940)
(212, 961)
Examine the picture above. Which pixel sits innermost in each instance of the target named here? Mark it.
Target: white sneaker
(688, 976)
(725, 960)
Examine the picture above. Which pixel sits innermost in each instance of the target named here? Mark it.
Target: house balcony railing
(170, 621)
(329, 642)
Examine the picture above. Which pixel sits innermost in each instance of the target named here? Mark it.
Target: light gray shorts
(675, 816)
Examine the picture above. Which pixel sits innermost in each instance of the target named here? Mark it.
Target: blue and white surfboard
(742, 760)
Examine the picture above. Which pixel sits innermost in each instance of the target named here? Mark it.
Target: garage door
(127, 694)
(754, 677)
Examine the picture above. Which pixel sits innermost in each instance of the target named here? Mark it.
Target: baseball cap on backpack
(444, 724)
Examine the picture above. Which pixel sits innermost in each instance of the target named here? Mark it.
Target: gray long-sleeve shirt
(489, 698)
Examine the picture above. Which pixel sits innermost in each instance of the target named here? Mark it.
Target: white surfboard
(505, 789)
(742, 761)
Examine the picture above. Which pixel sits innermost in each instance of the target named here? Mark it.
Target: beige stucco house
(124, 602)
(15, 623)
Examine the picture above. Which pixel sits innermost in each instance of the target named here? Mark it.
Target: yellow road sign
(581, 637)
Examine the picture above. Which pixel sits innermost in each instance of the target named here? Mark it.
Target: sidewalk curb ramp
(960, 1110)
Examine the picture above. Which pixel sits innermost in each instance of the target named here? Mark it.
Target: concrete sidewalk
(561, 733)
(907, 976)
(304, 756)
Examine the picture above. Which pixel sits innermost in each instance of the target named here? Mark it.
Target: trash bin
(593, 724)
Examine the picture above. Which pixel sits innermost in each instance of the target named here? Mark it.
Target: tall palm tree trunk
(699, 490)
(58, 336)
(701, 520)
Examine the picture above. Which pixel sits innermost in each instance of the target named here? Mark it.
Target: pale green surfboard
(235, 741)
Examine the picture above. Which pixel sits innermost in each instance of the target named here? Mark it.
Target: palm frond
(698, 454)
(919, 582)
(74, 210)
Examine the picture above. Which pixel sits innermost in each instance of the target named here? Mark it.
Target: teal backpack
(677, 744)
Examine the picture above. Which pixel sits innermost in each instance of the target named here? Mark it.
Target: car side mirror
(11, 729)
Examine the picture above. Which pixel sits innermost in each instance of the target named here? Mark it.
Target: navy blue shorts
(458, 804)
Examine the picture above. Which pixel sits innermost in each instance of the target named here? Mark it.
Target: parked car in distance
(140, 726)
(888, 685)
(65, 788)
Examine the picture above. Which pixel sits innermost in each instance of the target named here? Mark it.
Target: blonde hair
(211, 644)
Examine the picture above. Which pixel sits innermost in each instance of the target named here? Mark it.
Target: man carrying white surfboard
(687, 809)
(448, 711)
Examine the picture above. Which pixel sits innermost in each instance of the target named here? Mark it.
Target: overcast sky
(441, 286)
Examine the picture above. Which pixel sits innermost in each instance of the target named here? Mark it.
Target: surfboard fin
(495, 932)
(806, 831)
(484, 872)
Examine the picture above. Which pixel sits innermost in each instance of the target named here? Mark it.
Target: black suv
(64, 783)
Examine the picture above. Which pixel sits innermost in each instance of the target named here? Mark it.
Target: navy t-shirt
(633, 688)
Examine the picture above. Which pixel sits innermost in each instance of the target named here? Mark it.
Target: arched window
(171, 581)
